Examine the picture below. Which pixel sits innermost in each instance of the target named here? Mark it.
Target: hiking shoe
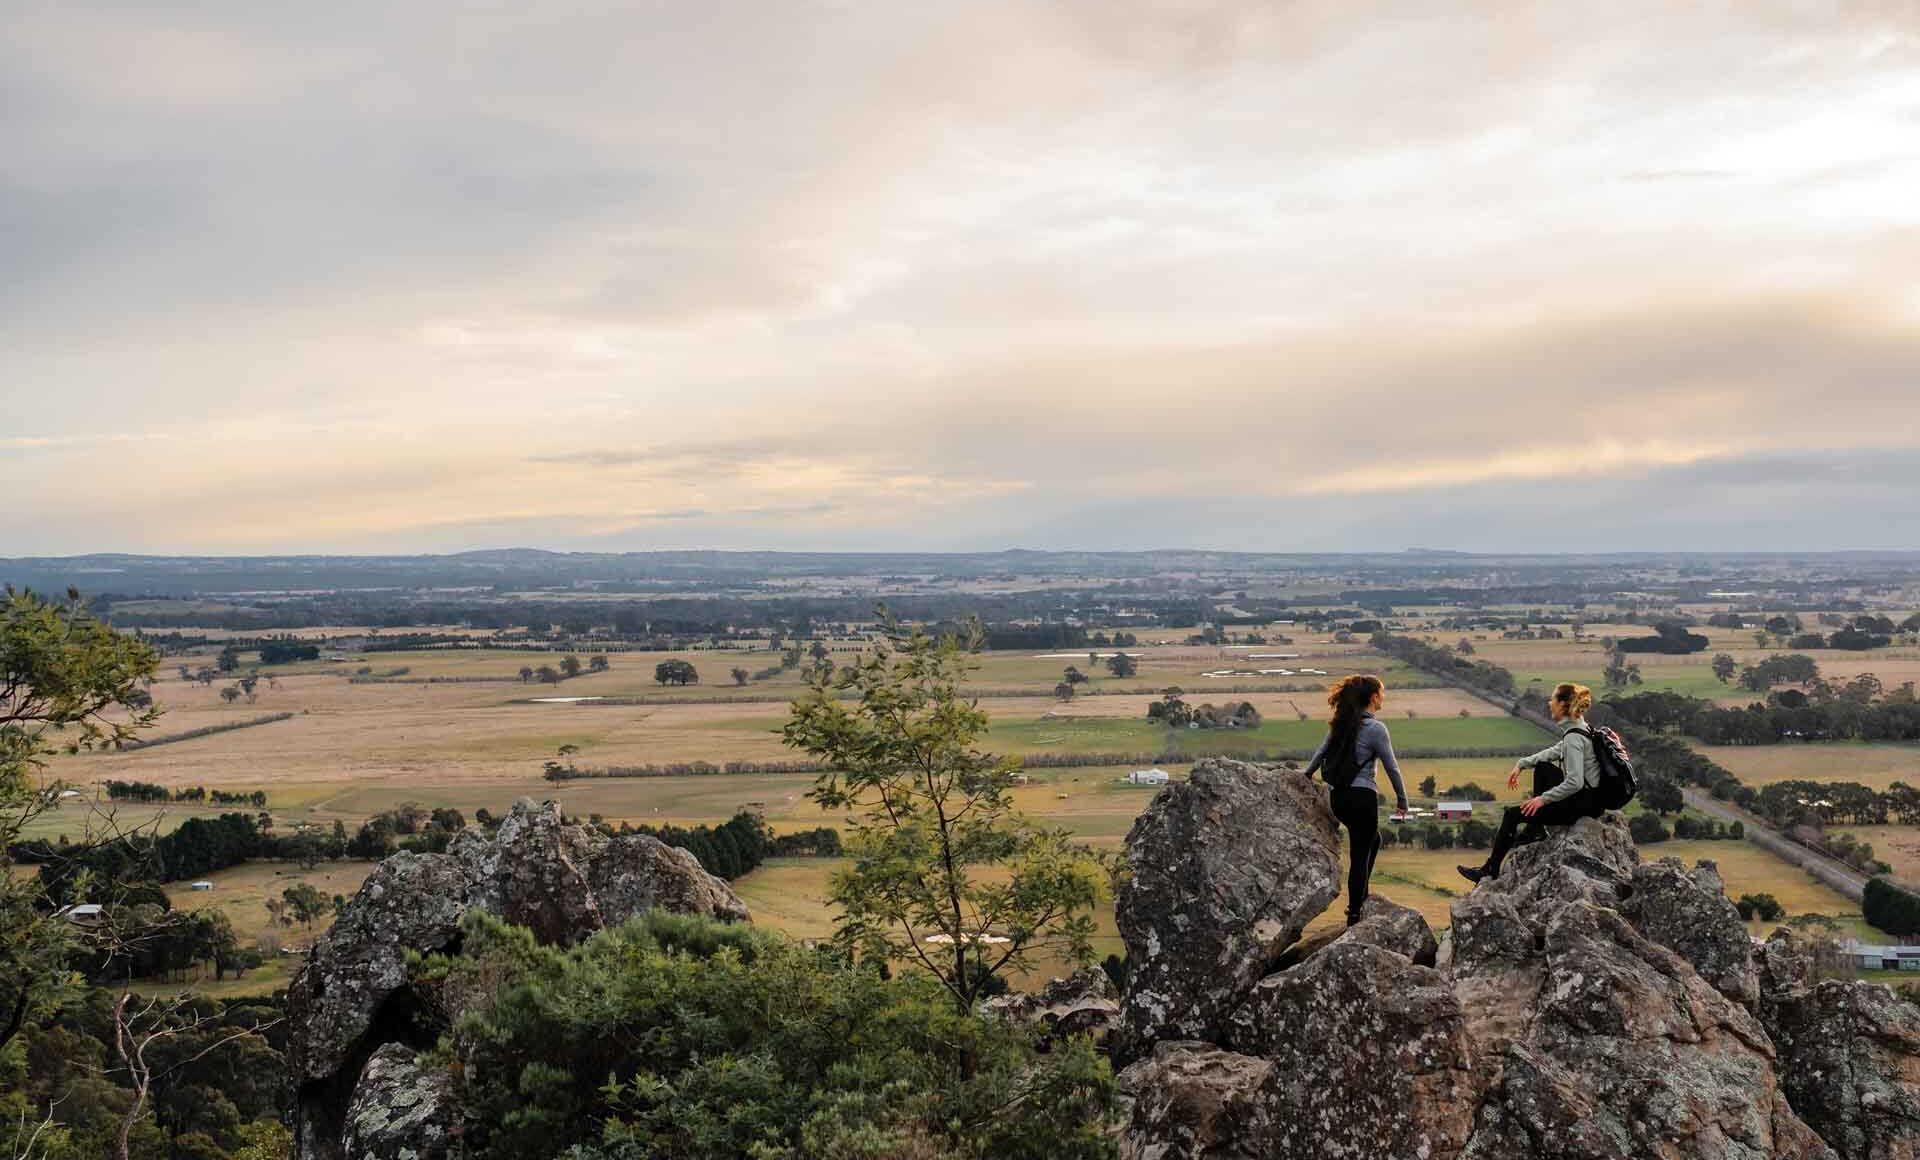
(1472, 873)
(1352, 919)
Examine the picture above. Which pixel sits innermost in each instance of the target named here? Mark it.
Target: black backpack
(1616, 786)
(1341, 764)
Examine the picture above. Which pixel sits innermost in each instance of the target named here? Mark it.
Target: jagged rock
(1369, 1049)
(1849, 1054)
(1627, 1052)
(1227, 868)
(1688, 913)
(562, 881)
(1083, 1003)
(401, 1109)
(1583, 1007)
(1593, 861)
(1190, 1101)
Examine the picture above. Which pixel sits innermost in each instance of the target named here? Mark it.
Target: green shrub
(676, 1039)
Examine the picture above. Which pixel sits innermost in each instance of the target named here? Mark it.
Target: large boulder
(1849, 1054)
(401, 1109)
(1369, 1048)
(1226, 869)
(561, 880)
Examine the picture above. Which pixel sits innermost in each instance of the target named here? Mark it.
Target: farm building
(85, 913)
(1453, 811)
(203, 884)
(1147, 777)
(1874, 957)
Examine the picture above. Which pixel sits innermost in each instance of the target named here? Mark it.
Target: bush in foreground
(678, 1039)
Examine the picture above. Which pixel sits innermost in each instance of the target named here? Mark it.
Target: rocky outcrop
(400, 1109)
(1083, 1003)
(1688, 912)
(1849, 1054)
(1225, 870)
(1584, 1007)
(352, 999)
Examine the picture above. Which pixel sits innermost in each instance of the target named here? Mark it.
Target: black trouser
(1358, 809)
(1546, 775)
(1561, 813)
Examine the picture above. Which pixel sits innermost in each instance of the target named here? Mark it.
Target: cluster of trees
(304, 903)
(1670, 638)
(1444, 661)
(1472, 834)
(1648, 828)
(408, 826)
(185, 1078)
(1762, 906)
(149, 940)
(1799, 802)
(676, 672)
(676, 1037)
(1173, 711)
(1862, 709)
(1891, 907)
(738, 845)
(287, 650)
(1468, 792)
(569, 667)
(146, 791)
(1778, 669)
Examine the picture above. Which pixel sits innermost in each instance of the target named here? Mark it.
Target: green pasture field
(1274, 736)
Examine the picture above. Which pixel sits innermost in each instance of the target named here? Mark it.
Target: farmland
(369, 726)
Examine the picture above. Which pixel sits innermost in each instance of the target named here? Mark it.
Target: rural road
(1842, 878)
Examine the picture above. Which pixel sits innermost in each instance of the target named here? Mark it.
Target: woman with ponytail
(1356, 739)
(1565, 776)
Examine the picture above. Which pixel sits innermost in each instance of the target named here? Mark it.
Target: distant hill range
(517, 568)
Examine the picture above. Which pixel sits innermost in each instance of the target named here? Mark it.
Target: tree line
(737, 846)
(146, 791)
(1443, 661)
(1860, 710)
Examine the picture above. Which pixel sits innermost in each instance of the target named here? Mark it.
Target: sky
(357, 277)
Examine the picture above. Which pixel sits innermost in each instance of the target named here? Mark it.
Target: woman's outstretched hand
(1513, 779)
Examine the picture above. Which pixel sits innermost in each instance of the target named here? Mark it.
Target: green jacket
(1573, 753)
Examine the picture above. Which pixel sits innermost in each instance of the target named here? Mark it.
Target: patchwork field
(462, 729)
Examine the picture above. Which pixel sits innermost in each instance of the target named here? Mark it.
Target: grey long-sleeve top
(1372, 743)
(1573, 753)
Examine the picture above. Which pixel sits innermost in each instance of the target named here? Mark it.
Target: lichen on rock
(352, 1000)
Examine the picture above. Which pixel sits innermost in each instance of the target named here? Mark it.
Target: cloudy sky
(424, 277)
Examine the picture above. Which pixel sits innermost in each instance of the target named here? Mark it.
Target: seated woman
(1566, 802)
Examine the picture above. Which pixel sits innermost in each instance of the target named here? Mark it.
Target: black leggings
(1358, 809)
(1564, 812)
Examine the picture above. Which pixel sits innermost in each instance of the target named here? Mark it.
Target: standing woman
(1568, 797)
(1356, 739)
